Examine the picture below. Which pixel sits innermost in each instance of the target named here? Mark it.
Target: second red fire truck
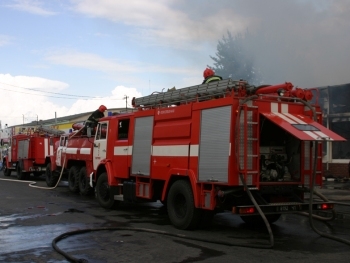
(28, 151)
(203, 149)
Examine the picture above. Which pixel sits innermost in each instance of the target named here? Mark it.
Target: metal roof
(67, 119)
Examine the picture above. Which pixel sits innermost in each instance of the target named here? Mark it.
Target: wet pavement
(31, 218)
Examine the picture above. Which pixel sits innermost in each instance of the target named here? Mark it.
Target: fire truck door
(60, 150)
(13, 150)
(122, 150)
(100, 145)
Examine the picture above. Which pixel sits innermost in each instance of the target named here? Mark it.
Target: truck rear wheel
(84, 186)
(73, 180)
(51, 177)
(103, 194)
(181, 209)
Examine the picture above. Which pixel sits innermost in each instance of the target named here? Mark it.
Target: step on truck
(204, 149)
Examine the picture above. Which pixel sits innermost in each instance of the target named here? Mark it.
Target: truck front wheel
(181, 209)
(7, 171)
(103, 193)
(51, 177)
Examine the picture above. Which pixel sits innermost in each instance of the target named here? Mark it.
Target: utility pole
(126, 102)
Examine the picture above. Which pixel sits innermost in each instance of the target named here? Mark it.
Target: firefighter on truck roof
(209, 76)
(93, 119)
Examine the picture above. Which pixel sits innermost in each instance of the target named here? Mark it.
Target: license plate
(284, 208)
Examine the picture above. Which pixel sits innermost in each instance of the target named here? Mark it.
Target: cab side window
(101, 131)
(63, 141)
(123, 129)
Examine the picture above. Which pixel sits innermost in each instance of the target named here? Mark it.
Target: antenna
(126, 102)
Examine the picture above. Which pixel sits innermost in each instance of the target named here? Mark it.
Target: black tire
(20, 174)
(73, 180)
(181, 210)
(51, 177)
(103, 194)
(84, 184)
(257, 220)
(7, 172)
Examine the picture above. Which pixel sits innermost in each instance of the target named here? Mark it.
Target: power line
(43, 95)
(71, 97)
(44, 91)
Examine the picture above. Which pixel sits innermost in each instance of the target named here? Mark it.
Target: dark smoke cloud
(305, 42)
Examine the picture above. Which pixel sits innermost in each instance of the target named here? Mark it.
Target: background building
(335, 104)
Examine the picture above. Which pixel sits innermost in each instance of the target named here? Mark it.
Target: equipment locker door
(141, 152)
(214, 145)
(100, 145)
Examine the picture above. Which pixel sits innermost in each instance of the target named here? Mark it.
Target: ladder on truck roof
(215, 88)
(49, 130)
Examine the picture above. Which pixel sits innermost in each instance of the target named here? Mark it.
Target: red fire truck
(224, 145)
(27, 151)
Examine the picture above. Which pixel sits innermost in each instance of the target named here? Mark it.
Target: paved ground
(31, 218)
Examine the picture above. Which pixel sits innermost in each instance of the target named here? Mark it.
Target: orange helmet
(102, 108)
(208, 72)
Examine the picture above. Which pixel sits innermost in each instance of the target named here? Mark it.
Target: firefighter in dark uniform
(93, 119)
(209, 76)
